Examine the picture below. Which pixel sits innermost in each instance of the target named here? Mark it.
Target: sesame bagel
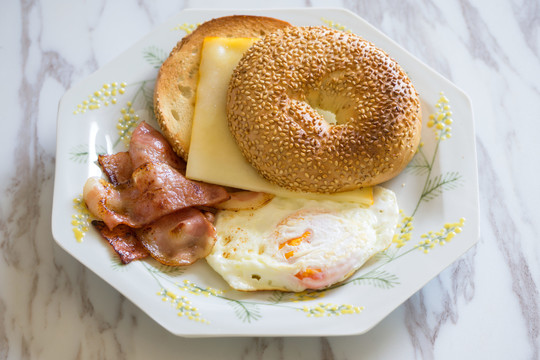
(274, 105)
(176, 85)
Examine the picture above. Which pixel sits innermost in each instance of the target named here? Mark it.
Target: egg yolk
(309, 273)
(294, 242)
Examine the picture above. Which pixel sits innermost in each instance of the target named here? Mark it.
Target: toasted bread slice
(176, 85)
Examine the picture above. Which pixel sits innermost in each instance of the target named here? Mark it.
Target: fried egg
(294, 244)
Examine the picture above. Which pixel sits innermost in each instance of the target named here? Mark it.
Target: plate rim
(56, 210)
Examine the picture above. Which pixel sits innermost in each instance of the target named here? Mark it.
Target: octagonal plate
(438, 195)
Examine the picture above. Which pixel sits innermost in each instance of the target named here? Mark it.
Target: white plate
(441, 185)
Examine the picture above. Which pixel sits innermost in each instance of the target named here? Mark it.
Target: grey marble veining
(484, 306)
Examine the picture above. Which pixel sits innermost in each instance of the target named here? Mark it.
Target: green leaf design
(80, 153)
(435, 187)
(159, 268)
(378, 278)
(155, 56)
(247, 312)
(418, 165)
(148, 95)
(117, 264)
(277, 296)
(385, 256)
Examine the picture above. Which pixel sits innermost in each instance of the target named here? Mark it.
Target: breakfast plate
(437, 195)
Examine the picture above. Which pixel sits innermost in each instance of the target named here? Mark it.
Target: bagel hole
(328, 106)
(327, 115)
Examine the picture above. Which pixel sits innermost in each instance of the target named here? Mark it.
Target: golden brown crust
(281, 79)
(176, 85)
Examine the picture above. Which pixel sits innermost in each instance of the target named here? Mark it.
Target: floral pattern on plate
(99, 115)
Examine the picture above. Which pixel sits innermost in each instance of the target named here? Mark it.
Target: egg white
(293, 244)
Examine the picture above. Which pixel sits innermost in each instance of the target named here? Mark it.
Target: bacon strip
(123, 240)
(180, 238)
(102, 198)
(118, 167)
(148, 145)
(154, 190)
(147, 206)
(160, 188)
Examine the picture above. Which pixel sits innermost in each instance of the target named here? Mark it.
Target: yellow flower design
(127, 123)
(441, 237)
(104, 96)
(80, 220)
(197, 290)
(404, 233)
(329, 309)
(308, 295)
(188, 28)
(442, 119)
(334, 25)
(182, 305)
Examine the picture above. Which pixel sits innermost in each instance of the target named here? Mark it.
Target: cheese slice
(214, 156)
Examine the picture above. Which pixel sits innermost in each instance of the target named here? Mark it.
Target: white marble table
(485, 306)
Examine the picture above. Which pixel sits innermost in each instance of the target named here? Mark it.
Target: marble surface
(485, 306)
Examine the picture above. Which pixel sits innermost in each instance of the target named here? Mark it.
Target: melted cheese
(214, 156)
